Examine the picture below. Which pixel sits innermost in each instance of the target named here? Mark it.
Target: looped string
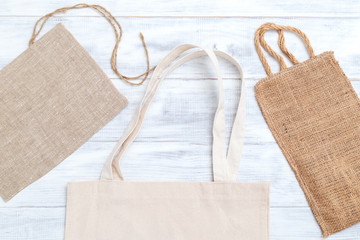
(260, 40)
(118, 33)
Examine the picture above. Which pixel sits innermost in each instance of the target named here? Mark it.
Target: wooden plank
(164, 161)
(323, 8)
(190, 102)
(300, 224)
(49, 224)
(32, 223)
(183, 111)
(232, 35)
(174, 144)
(169, 112)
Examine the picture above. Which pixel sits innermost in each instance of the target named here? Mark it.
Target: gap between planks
(191, 16)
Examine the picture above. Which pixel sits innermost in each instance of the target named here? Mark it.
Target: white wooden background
(174, 143)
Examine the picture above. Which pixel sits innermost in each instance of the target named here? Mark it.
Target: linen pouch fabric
(314, 114)
(53, 98)
(112, 208)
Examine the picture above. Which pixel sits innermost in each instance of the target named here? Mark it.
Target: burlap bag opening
(53, 97)
(314, 114)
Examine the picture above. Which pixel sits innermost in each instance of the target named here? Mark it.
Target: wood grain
(48, 224)
(163, 161)
(232, 35)
(320, 8)
(190, 102)
(174, 143)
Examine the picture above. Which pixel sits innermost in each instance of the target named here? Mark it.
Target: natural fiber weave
(314, 114)
(53, 98)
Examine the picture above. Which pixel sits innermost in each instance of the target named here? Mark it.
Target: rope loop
(118, 34)
(260, 42)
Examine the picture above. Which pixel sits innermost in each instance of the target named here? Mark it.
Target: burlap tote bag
(224, 209)
(53, 97)
(314, 114)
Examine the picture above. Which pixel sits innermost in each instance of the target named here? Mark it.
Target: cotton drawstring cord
(118, 33)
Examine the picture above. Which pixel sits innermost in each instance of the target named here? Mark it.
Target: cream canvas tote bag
(112, 208)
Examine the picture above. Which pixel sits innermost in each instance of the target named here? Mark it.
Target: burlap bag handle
(260, 40)
(118, 33)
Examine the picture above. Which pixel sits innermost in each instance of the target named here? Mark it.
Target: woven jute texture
(53, 97)
(314, 114)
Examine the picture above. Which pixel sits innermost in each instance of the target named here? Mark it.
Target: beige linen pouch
(53, 98)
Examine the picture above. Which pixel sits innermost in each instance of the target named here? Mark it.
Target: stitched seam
(292, 68)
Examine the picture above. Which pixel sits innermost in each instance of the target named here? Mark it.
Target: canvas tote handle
(259, 39)
(118, 33)
(225, 167)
